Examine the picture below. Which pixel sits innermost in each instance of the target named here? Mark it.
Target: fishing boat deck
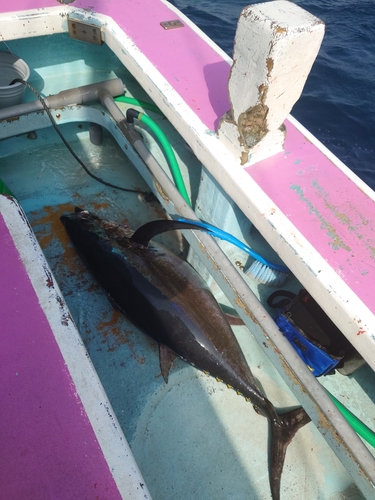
(192, 93)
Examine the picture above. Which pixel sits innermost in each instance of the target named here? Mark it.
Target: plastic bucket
(11, 67)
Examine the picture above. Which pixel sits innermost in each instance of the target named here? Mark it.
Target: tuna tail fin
(282, 433)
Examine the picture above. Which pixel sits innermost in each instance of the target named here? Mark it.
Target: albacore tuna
(168, 300)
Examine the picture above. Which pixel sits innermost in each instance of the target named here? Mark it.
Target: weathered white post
(275, 46)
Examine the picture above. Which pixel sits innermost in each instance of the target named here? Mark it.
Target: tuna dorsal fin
(145, 233)
(166, 358)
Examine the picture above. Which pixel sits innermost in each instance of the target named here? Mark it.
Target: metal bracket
(85, 32)
(171, 25)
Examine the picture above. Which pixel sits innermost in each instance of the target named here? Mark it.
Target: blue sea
(338, 101)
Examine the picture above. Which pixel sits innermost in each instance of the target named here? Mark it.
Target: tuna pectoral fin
(281, 435)
(166, 358)
(234, 320)
(231, 315)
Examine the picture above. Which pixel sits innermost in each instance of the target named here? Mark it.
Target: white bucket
(11, 67)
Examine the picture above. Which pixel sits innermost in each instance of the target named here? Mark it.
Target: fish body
(169, 301)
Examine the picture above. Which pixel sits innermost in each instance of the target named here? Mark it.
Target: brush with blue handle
(262, 270)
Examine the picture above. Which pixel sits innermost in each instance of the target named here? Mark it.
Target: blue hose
(223, 235)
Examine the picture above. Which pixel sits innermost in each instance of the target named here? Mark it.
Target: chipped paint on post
(276, 44)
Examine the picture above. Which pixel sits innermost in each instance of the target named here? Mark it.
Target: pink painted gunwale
(326, 206)
(48, 447)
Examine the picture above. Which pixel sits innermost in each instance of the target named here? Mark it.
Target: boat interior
(192, 437)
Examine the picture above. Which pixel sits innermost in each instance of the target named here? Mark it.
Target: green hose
(136, 102)
(5, 190)
(175, 169)
(176, 172)
(358, 426)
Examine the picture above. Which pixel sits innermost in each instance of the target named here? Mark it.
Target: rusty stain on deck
(114, 335)
(48, 227)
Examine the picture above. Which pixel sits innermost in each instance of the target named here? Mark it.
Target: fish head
(77, 217)
(82, 226)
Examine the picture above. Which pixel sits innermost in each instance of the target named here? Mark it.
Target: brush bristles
(265, 275)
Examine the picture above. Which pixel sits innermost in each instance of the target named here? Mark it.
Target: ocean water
(338, 101)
